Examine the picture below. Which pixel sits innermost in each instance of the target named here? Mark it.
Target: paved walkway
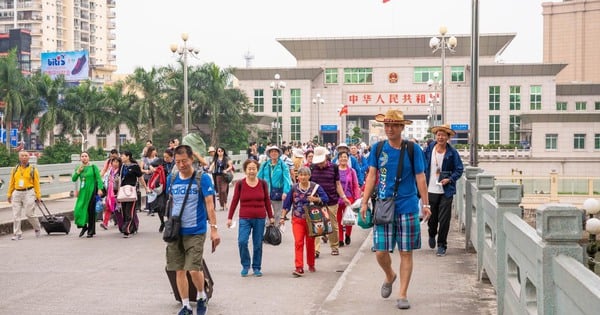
(60, 274)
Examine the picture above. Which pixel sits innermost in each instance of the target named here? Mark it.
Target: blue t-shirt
(406, 199)
(194, 217)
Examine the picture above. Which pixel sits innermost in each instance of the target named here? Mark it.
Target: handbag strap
(399, 170)
(187, 194)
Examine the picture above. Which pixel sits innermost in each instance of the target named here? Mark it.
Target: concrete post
(554, 186)
(485, 185)
(470, 174)
(560, 227)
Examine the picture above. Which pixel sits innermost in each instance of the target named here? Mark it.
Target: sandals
(335, 252)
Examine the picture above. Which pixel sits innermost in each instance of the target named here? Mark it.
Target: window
(458, 74)
(597, 141)
(277, 101)
(122, 139)
(535, 97)
(295, 128)
(515, 124)
(515, 97)
(423, 74)
(101, 141)
(551, 141)
(579, 141)
(358, 75)
(561, 106)
(580, 105)
(295, 100)
(494, 125)
(259, 101)
(331, 76)
(494, 97)
(597, 105)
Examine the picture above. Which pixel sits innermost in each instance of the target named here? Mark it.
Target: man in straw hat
(444, 169)
(404, 231)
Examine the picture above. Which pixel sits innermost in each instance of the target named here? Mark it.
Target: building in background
(20, 40)
(66, 26)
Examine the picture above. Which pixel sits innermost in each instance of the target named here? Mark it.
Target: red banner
(344, 110)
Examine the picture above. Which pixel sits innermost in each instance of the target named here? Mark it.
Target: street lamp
(434, 98)
(443, 44)
(592, 226)
(317, 102)
(183, 51)
(277, 86)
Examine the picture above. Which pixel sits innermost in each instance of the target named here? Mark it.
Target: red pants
(340, 214)
(301, 238)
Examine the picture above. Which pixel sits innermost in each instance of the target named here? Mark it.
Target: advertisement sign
(74, 65)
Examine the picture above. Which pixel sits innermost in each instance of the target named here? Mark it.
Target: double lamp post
(442, 43)
(183, 51)
(277, 86)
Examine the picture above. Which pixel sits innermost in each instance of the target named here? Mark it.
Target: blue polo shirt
(193, 221)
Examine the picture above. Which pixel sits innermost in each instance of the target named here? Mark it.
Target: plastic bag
(272, 235)
(349, 217)
(99, 206)
(367, 223)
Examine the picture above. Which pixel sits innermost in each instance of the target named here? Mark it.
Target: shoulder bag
(385, 209)
(173, 224)
(317, 218)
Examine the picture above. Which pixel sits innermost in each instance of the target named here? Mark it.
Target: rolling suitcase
(53, 223)
(208, 284)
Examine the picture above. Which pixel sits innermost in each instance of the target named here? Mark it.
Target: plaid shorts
(404, 231)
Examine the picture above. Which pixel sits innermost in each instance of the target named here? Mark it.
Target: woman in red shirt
(255, 205)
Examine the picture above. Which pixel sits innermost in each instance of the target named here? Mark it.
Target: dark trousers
(441, 212)
(91, 211)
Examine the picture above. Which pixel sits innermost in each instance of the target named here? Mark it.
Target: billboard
(74, 65)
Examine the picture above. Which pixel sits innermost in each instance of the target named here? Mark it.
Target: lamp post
(318, 101)
(183, 51)
(434, 98)
(443, 43)
(277, 86)
(592, 226)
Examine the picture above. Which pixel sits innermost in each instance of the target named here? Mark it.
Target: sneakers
(347, 240)
(386, 288)
(441, 252)
(37, 233)
(201, 307)
(402, 304)
(299, 272)
(257, 273)
(185, 311)
(17, 237)
(244, 272)
(432, 242)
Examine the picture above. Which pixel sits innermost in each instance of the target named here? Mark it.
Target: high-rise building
(571, 32)
(66, 25)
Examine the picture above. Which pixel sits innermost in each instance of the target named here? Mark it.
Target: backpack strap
(378, 150)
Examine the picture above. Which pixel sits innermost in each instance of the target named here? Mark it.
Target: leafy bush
(7, 158)
(135, 149)
(60, 152)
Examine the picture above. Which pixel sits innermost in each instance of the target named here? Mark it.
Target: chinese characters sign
(387, 98)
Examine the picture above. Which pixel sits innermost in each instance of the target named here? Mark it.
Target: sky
(224, 31)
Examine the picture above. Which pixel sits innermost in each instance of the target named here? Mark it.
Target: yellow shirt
(20, 178)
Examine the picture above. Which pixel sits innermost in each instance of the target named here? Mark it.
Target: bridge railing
(534, 271)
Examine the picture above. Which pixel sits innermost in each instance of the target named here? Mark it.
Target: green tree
(50, 92)
(83, 102)
(120, 109)
(149, 85)
(12, 85)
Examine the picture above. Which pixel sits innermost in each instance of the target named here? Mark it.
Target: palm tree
(11, 87)
(50, 92)
(120, 107)
(82, 102)
(149, 85)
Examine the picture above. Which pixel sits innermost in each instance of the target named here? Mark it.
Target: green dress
(89, 180)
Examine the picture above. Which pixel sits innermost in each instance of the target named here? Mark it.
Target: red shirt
(254, 201)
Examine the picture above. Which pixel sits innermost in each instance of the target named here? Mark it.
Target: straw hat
(211, 149)
(444, 128)
(393, 116)
(320, 155)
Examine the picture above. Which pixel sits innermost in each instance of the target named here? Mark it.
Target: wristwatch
(214, 226)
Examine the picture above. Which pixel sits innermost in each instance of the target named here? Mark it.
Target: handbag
(367, 223)
(317, 218)
(127, 193)
(385, 208)
(276, 193)
(173, 224)
(228, 177)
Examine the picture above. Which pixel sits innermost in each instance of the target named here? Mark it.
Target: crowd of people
(278, 180)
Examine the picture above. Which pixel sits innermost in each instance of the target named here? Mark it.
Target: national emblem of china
(393, 77)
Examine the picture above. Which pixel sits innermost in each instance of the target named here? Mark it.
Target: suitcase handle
(49, 215)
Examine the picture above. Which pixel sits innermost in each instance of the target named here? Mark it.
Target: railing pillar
(470, 174)
(508, 198)
(485, 185)
(560, 227)
(554, 186)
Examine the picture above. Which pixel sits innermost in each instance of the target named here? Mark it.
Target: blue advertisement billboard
(74, 65)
